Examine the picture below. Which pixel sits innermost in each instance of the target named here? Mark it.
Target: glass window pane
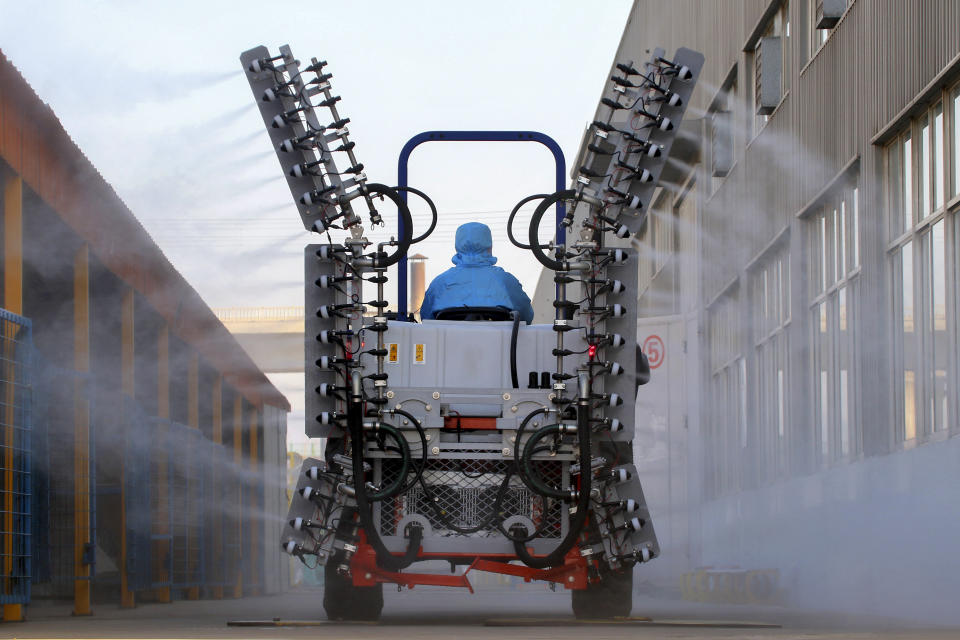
(855, 229)
(742, 407)
(843, 343)
(832, 248)
(940, 338)
(823, 252)
(924, 178)
(842, 303)
(938, 175)
(909, 345)
(824, 359)
(906, 257)
(781, 406)
(894, 189)
(956, 141)
(842, 241)
(907, 183)
(785, 291)
(844, 414)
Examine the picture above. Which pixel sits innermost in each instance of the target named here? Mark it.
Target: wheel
(612, 597)
(343, 601)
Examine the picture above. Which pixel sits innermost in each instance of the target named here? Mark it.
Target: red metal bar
(572, 574)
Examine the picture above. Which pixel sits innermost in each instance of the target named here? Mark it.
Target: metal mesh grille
(15, 449)
(465, 492)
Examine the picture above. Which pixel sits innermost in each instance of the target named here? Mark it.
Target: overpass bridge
(272, 336)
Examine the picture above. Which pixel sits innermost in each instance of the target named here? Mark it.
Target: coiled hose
(535, 246)
(433, 212)
(513, 214)
(557, 556)
(403, 244)
(355, 423)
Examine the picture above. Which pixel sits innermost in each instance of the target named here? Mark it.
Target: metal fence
(16, 350)
(179, 493)
(65, 498)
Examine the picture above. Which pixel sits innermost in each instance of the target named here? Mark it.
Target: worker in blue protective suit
(474, 281)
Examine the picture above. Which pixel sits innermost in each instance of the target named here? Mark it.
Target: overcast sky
(154, 95)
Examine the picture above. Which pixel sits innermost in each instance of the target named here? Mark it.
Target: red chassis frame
(572, 574)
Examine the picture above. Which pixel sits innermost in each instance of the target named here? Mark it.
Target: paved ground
(425, 614)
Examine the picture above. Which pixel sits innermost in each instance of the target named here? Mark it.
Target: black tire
(343, 601)
(612, 597)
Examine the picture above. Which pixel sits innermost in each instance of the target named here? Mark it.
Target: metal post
(81, 434)
(217, 398)
(162, 561)
(127, 598)
(193, 417)
(12, 301)
(238, 466)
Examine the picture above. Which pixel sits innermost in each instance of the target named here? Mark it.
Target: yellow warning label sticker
(393, 352)
(418, 354)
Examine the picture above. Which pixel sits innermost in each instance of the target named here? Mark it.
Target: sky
(154, 95)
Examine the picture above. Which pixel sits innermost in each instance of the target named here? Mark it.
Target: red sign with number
(653, 347)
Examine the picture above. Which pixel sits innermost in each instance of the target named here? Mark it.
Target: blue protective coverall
(474, 281)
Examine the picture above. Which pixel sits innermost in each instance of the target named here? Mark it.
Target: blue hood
(474, 245)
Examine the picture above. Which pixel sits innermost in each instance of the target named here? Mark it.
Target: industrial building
(142, 450)
(798, 300)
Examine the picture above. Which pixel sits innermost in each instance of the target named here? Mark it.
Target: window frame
(838, 216)
(919, 235)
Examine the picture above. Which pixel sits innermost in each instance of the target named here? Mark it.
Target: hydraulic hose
(513, 214)
(403, 244)
(423, 448)
(535, 482)
(556, 557)
(433, 212)
(535, 246)
(514, 379)
(355, 424)
(405, 456)
(517, 438)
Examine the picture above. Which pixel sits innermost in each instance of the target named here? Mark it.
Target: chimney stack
(418, 274)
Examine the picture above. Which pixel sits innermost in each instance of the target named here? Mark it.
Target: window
(955, 147)
(823, 18)
(922, 254)
(771, 317)
(722, 142)
(769, 61)
(727, 432)
(835, 270)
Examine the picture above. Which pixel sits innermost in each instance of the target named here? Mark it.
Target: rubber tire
(343, 601)
(612, 597)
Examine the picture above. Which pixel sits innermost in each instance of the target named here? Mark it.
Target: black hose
(403, 244)
(433, 212)
(557, 556)
(405, 456)
(384, 559)
(514, 378)
(423, 448)
(513, 214)
(535, 246)
(535, 482)
(516, 442)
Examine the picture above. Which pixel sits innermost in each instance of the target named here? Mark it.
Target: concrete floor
(427, 613)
